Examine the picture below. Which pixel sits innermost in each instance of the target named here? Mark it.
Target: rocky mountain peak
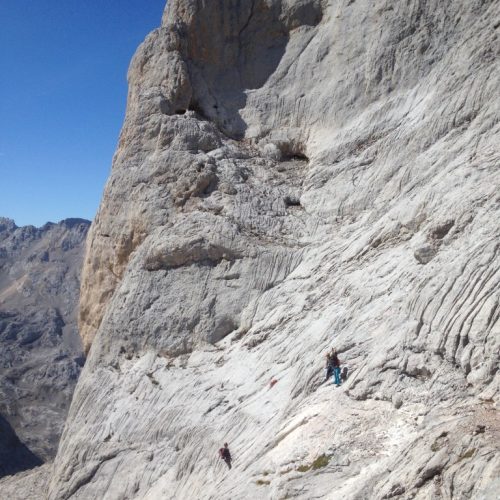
(7, 225)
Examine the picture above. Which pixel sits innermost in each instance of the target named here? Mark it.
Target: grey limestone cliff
(292, 176)
(40, 350)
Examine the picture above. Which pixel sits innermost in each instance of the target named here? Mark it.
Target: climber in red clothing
(225, 454)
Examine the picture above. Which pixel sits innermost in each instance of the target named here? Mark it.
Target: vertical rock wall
(293, 175)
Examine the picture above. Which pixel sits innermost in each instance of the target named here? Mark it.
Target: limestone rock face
(292, 176)
(40, 350)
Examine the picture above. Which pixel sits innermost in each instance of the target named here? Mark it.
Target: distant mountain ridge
(40, 350)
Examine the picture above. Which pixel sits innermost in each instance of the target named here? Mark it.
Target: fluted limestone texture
(40, 350)
(293, 175)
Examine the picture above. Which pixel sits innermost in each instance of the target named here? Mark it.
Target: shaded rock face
(293, 175)
(14, 455)
(41, 354)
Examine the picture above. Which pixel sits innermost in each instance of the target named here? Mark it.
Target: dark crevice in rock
(223, 328)
(442, 230)
(14, 455)
(210, 188)
(292, 152)
(80, 360)
(195, 106)
(294, 156)
(292, 201)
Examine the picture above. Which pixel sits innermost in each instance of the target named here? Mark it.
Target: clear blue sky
(62, 100)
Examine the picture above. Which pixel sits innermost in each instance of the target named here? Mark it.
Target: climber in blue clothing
(335, 363)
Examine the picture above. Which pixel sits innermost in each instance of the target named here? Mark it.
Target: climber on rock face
(225, 454)
(329, 366)
(336, 366)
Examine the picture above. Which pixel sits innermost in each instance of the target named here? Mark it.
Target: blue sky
(62, 100)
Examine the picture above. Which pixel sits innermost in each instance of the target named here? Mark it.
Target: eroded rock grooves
(292, 175)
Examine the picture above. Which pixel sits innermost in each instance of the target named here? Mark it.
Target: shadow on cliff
(235, 46)
(14, 455)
